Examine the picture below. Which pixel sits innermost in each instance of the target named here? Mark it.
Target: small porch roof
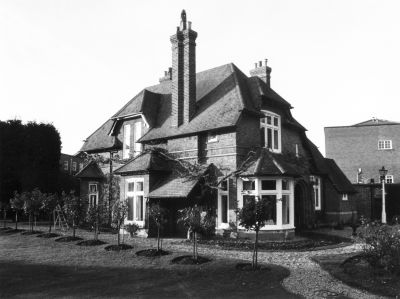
(90, 171)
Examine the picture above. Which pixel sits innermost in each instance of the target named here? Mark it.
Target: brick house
(228, 122)
(362, 149)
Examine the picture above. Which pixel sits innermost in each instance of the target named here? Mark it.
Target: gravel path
(306, 278)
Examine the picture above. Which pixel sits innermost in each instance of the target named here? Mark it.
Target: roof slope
(91, 171)
(375, 122)
(174, 186)
(337, 177)
(100, 140)
(147, 161)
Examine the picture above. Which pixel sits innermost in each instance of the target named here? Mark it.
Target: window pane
(285, 185)
(139, 186)
(249, 185)
(92, 200)
(269, 138)
(276, 142)
(262, 120)
(285, 209)
(268, 119)
(262, 137)
(93, 188)
(275, 121)
(139, 208)
(131, 187)
(270, 208)
(316, 196)
(268, 185)
(224, 208)
(248, 198)
(127, 141)
(130, 208)
(138, 135)
(224, 185)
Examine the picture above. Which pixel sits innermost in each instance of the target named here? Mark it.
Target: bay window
(279, 195)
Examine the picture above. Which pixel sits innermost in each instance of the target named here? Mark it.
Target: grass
(33, 267)
(360, 274)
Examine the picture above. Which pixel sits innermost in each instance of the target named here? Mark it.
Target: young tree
(17, 205)
(49, 203)
(191, 219)
(119, 213)
(159, 215)
(254, 216)
(73, 209)
(94, 217)
(32, 204)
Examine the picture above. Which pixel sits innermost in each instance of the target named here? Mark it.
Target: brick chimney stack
(183, 73)
(262, 71)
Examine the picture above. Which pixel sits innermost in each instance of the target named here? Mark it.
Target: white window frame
(137, 135)
(212, 137)
(134, 194)
(74, 166)
(317, 192)
(220, 224)
(95, 193)
(385, 144)
(345, 197)
(389, 179)
(257, 193)
(65, 165)
(126, 147)
(273, 128)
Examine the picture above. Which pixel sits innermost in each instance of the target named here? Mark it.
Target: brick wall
(357, 147)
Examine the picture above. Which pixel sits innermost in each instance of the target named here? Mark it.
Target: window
(127, 142)
(223, 205)
(270, 131)
(93, 194)
(279, 195)
(74, 165)
(317, 191)
(384, 144)
(136, 200)
(212, 137)
(138, 134)
(344, 196)
(65, 165)
(389, 179)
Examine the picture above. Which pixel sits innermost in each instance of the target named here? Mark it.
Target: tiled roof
(174, 186)
(337, 177)
(147, 161)
(375, 122)
(100, 140)
(266, 163)
(90, 171)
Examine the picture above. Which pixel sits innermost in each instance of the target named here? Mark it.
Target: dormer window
(130, 149)
(127, 142)
(270, 130)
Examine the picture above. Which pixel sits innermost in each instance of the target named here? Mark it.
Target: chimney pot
(260, 63)
(255, 65)
(189, 25)
(266, 62)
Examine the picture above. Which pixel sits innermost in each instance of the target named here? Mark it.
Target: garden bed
(249, 267)
(355, 271)
(90, 243)
(33, 232)
(189, 260)
(68, 239)
(118, 247)
(152, 253)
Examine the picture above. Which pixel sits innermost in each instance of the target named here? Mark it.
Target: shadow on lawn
(218, 280)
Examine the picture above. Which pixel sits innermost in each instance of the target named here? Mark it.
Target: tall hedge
(29, 157)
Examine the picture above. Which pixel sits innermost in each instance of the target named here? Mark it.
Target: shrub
(382, 246)
(131, 228)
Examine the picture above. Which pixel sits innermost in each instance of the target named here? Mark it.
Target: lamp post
(382, 173)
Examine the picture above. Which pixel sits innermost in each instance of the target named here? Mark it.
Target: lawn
(358, 273)
(32, 267)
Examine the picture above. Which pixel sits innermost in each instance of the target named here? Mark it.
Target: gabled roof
(91, 171)
(337, 177)
(145, 162)
(174, 186)
(266, 163)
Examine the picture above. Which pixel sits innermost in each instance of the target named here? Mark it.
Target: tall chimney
(262, 71)
(183, 73)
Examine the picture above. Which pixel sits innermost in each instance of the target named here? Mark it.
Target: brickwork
(189, 75)
(177, 79)
(357, 147)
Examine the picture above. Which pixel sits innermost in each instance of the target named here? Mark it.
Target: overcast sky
(75, 63)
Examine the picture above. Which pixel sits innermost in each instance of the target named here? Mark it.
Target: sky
(74, 63)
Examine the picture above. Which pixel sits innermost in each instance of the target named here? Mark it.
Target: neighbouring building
(230, 124)
(362, 149)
